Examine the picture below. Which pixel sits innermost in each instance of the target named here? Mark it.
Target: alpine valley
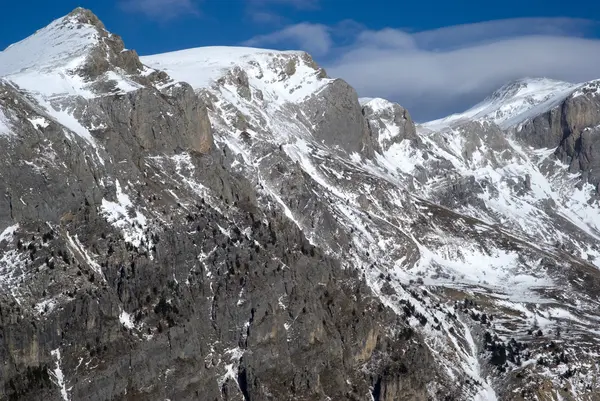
(229, 224)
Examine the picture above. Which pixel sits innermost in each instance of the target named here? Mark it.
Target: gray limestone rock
(180, 119)
(238, 78)
(385, 115)
(572, 128)
(110, 52)
(337, 119)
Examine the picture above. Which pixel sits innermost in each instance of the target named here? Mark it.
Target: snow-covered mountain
(506, 207)
(513, 103)
(232, 223)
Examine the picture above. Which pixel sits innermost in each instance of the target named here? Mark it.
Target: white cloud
(387, 38)
(437, 72)
(161, 9)
(482, 32)
(436, 83)
(314, 38)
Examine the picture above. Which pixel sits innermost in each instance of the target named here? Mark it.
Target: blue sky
(434, 57)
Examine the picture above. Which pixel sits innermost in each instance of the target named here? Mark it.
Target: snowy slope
(63, 44)
(4, 124)
(288, 75)
(45, 61)
(513, 103)
(48, 63)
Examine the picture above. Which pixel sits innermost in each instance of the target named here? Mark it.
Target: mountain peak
(71, 52)
(85, 16)
(528, 87)
(63, 43)
(512, 103)
(288, 75)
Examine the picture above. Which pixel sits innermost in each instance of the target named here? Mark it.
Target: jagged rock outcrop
(572, 128)
(389, 123)
(336, 116)
(108, 54)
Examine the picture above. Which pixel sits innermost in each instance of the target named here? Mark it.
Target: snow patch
(46, 306)
(77, 246)
(123, 84)
(123, 215)
(8, 233)
(58, 376)
(66, 119)
(39, 122)
(126, 320)
(4, 124)
(231, 369)
(486, 392)
(13, 266)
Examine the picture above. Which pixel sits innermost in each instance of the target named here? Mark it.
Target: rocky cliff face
(571, 128)
(337, 120)
(137, 265)
(389, 123)
(232, 224)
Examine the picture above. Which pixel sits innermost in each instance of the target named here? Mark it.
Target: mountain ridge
(271, 236)
(514, 102)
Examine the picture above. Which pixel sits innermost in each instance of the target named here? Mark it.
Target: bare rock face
(389, 123)
(181, 122)
(571, 127)
(337, 119)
